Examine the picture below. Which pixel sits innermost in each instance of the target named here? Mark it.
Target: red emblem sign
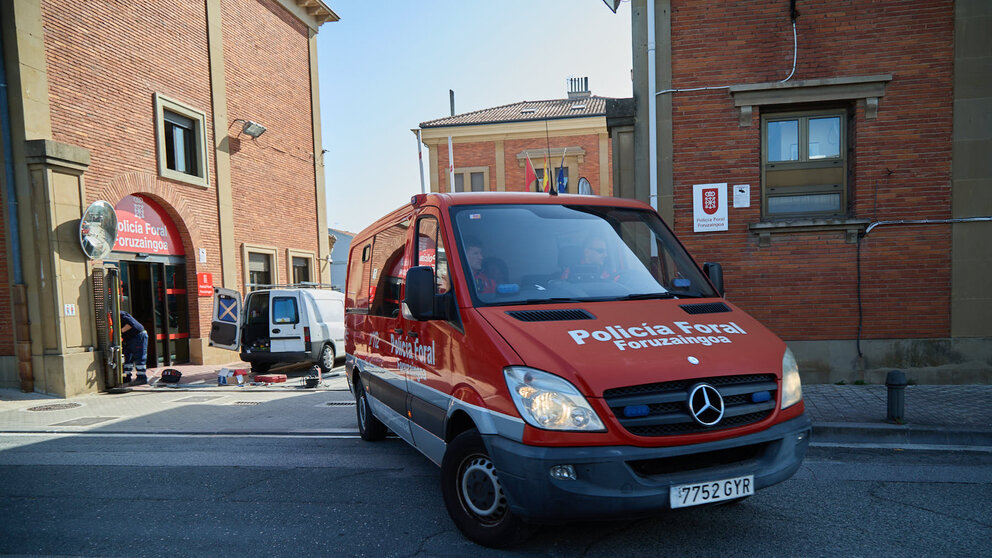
(711, 200)
(205, 284)
(143, 226)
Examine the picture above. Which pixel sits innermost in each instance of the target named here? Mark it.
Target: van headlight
(549, 402)
(792, 387)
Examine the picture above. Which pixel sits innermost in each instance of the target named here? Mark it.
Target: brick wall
(478, 154)
(804, 286)
(107, 60)
(266, 58)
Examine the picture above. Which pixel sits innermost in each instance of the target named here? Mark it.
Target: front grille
(550, 315)
(696, 461)
(668, 410)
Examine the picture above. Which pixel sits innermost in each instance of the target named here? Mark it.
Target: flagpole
(451, 156)
(420, 159)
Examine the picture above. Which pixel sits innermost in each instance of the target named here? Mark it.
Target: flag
(562, 179)
(531, 175)
(547, 174)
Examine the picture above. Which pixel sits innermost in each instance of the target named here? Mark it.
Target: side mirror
(715, 272)
(420, 292)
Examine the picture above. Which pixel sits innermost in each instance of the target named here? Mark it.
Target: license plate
(686, 495)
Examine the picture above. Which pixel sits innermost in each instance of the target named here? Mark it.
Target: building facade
(490, 147)
(189, 119)
(851, 141)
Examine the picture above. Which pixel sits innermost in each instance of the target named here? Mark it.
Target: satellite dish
(584, 187)
(98, 230)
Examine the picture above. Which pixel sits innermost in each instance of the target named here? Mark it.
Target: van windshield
(536, 254)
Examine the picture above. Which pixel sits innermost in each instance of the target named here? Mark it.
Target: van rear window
(284, 310)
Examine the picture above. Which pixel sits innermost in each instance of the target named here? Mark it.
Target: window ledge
(869, 88)
(850, 227)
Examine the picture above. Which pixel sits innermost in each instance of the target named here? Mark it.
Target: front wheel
(370, 428)
(326, 359)
(474, 496)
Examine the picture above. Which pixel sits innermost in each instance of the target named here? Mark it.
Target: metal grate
(705, 308)
(339, 404)
(100, 307)
(550, 315)
(246, 403)
(667, 404)
(55, 407)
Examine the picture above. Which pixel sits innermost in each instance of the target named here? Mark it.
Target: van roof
(445, 200)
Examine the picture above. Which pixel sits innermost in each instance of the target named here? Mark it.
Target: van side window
(388, 270)
(284, 310)
(431, 252)
(358, 278)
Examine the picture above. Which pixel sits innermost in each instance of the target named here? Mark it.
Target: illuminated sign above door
(143, 226)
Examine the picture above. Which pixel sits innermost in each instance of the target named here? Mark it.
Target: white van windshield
(534, 254)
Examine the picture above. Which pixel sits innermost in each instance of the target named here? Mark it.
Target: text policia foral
(642, 336)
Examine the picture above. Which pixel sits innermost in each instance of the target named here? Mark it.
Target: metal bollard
(896, 382)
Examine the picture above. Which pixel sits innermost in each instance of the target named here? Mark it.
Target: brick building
(490, 146)
(864, 240)
(189, 118)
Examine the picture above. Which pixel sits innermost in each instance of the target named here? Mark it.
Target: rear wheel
(326, 359)
(474, 496)
(370, 428)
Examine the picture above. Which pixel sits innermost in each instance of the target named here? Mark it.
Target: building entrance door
(154, 293)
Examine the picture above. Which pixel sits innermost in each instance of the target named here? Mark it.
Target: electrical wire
(795, 58)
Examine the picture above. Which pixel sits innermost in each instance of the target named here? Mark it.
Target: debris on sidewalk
(270, 378)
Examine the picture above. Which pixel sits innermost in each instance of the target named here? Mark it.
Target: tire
(370, 428)
(326, 359)
(473, 495)
(260, 367)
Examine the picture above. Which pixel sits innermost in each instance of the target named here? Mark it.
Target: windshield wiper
(544, 300)
(647, 296)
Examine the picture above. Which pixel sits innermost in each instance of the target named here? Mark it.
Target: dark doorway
(155, 294)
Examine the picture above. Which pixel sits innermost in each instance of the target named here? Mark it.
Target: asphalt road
(156, 495)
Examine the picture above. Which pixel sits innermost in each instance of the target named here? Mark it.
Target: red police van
(563, 358)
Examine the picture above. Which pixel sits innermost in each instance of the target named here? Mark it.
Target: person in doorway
(134, 339)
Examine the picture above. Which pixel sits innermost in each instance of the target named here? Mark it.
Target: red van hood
(629, 343)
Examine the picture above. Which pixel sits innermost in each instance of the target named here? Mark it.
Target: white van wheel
(326, 360)
(474, 496)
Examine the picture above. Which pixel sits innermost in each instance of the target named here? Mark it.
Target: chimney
(578, 88)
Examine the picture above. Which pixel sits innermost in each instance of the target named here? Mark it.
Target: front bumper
(622, 481)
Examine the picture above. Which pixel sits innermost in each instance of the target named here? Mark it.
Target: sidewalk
(942, 416)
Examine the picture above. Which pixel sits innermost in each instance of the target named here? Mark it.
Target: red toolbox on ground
(270, 378)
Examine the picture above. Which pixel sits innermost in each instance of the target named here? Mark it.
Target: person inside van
(474, 254)
(593, 264)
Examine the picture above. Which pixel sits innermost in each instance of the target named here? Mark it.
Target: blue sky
(388, 65)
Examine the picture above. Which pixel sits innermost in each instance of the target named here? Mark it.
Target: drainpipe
(652, 113)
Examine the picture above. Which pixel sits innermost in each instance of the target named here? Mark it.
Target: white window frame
(199, 118)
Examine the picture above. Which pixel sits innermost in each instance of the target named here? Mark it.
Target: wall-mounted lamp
(253, 129)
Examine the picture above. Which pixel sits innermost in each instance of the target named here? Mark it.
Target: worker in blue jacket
(135, 341)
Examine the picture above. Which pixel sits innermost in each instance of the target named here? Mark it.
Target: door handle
(276, 330)
(411, 333)
(398, 330)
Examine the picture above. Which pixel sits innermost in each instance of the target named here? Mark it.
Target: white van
(276, 326)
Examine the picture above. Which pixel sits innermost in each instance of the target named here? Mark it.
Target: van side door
(225, 322)
(286, 322)
(427, 367)
(386, 382)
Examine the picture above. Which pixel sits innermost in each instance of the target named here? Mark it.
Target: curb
(906, 434)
